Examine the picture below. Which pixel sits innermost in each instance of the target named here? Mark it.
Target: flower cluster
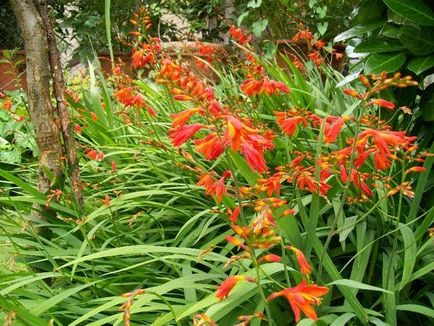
(224, 128)
(256, 82)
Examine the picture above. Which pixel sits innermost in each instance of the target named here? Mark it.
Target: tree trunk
(38, 80)
(62, 109)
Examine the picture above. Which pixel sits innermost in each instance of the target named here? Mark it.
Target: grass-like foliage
(264, 195)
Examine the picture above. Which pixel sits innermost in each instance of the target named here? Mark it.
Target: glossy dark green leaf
(415, 11)
(391, 30)
(420, 64)
(426, 103)
(369, 10)
(358, 30)
(417, 39)
(379, 62)
(375, 45)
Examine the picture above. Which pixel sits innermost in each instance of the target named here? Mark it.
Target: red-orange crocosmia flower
(94, 155)
(212, 186)
(305, 268)
(238, 34)
(269, 258)
(332, 129)
(181, 134)
(78, 129)
(352, 92)
(181, 118)
(302, 298)
(113, 166)
(7, 104)
(226, 287)
(416, 169)
(233, 218)
(107, 200)
(383, 103)
(211, 146)
(236, 242)
(128, 97)
(288, 122)
(254, 157)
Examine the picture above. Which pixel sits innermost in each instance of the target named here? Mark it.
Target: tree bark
(38, 81)
(62, 109)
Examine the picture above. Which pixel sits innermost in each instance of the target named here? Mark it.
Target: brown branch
(62, 109)
(38, 81)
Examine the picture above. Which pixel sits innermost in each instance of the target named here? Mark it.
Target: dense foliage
(227, 189)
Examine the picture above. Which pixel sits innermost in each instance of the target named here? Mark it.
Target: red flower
(212, 186)
(78, 129)
(234, 215)
(128, 97)
(352, 92)
(270, 258)
(7, 104)
(226, 287)
(302, 298)
(94, 155)
(211, 146)
(236, 242)
(315, 57)
(332, 130)
(181, 134)
(239, 35)
(251, 86)
(254, 157)
(305, 268)
(181, 118)
(382, 103)
(288, 121)
(140, 58)
(107, 200)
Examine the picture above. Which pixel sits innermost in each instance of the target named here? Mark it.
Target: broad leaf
(379, 62)
(418, 40)
(374, 45)
(420, 64)
(413, 10)
(358, 30)
(426, 103)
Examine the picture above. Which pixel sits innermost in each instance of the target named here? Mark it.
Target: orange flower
(181, 118)
(382, 103)
(226, 287)
(270, 258)
(213, 187)
(332, 129)
(288, 121)
(251, 86)
(352, 92)
(7, 104)
(236, 242)
(305, 268)
(254, 157)
(78, 129)
(302, 298)
(94, 155)
(234, 215)
(239, 35)
(181, 134)
(417, 169)
(211, 146)
(107, 200)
